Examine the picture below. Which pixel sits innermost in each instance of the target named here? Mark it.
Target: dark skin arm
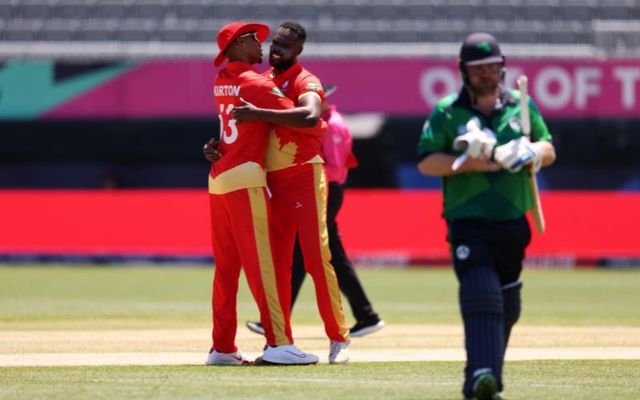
(210, 150)
(305, 115)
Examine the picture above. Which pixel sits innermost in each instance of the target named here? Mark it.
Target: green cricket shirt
(495, 196)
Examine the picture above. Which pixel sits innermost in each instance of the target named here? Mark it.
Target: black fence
(592, 154)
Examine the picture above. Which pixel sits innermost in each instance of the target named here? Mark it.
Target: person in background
(296, 178)
(338, 158)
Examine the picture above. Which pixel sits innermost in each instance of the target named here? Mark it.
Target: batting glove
(517, 153)
(475, 142)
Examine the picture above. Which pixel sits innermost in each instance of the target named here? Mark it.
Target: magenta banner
(398, 87)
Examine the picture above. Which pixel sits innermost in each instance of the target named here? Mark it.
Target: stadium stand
(591, 25)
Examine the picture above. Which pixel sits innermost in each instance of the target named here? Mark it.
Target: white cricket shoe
(288, 354)
(237, 358)
(338, 352)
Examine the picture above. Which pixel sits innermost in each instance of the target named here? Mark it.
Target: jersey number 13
(228, 131)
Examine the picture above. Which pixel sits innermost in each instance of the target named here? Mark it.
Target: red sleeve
(319, 130)
(310, 83)
(263, 93)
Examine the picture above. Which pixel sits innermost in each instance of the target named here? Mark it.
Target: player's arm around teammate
(339, 158)
(286, 46)
(240, 210)
(298, 182)
(302, 116)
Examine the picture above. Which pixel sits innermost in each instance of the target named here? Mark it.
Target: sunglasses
(250, 34)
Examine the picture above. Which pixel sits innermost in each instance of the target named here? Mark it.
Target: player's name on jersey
(226, 90)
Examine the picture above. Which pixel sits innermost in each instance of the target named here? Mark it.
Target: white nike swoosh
(297, 355)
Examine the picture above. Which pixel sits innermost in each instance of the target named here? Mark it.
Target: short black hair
(295, 28)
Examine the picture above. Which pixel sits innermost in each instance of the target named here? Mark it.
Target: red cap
(230, 32)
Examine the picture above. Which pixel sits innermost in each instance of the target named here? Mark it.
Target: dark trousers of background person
(348, 280)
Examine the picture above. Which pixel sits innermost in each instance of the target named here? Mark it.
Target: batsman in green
(474, 140)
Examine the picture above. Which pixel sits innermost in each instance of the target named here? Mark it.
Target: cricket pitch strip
(394, 343)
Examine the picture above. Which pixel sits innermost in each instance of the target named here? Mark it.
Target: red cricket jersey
(287, 147)
(243, 146)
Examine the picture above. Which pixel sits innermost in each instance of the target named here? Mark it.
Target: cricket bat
(536, 211)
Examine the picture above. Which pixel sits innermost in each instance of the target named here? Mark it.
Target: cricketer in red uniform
(297, 180)
(240, 208)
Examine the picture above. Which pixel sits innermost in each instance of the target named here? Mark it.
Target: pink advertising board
(397, 87)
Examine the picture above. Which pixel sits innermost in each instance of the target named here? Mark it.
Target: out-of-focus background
(105, 106)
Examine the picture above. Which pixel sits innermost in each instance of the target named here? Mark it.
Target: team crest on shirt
(277, 92)
(515, 124)
(462, 252)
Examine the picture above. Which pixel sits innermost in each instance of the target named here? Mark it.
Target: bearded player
(240, 209)
(485, 200)
(297, 180)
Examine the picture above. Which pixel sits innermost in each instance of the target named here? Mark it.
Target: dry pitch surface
(393, 343)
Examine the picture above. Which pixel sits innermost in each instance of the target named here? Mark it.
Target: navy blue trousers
(487, 259)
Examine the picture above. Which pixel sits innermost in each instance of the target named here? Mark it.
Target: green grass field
(43, 302)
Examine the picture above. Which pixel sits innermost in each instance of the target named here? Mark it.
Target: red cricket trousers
(299, 204)
(240, 235)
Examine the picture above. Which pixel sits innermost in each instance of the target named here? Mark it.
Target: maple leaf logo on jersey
(277, 92)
